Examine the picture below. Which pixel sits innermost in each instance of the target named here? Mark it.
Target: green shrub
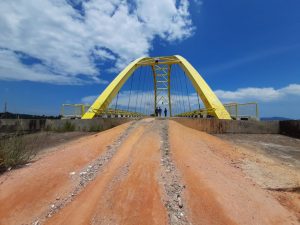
(48, 128)
(15, 151)
(67, 127)
(95, 128)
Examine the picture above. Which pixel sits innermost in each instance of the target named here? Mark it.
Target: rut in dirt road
(174, 201)
(127, 191)
(217, 192)
(87, 174)
(27, 194)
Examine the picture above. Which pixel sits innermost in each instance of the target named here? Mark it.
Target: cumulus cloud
(137, 96)
(183, 101)
(68, 36)
(143, 101)
(259, 94)
(89, 99)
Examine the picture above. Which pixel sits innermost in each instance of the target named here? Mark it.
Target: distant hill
(274, 118)
(9, 115)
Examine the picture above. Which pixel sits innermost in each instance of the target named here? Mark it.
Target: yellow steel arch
(103, 101)
(208, 97)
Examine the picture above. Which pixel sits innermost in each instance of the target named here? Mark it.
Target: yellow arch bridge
(161, 70)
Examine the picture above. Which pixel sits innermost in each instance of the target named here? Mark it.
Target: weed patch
(15, 151)
(19, 149)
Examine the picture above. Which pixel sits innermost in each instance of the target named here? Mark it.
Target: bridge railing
(72, 111)
(117, 113)
(76, 111)
(244, 111)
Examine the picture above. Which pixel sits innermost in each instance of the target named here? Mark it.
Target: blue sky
(54, 52)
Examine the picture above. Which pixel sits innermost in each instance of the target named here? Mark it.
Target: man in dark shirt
(156, 111)
(166, 112)
(159, 111)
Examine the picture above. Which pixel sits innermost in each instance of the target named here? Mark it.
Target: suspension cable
(137, 96)
(150, 91)
(187, 92)
(176, 92)
(151, 96)
(130, 91)
(117, 102)
(180, 97)
(198, 101)
(183, 102)
(143, 91)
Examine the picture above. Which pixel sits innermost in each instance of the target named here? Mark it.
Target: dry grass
(18, 150)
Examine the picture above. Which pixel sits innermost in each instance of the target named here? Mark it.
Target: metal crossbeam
(162, 96)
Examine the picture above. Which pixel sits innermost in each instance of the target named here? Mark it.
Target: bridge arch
(207, 96)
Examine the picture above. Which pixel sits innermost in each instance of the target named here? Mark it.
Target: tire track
(217, 192)
(127, 192)
(173, 187)
(134, 197)
(86, 175)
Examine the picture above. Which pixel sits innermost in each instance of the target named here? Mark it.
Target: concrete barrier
(28, 125)
(230, 126)
(97, 124)
(34, 125)
(290, 128)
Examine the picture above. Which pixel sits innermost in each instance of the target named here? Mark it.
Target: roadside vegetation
(17, 150)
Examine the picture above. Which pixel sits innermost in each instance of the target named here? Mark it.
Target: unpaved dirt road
(149, 171)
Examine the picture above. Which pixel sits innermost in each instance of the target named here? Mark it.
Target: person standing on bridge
(166, 112)
(159, 111)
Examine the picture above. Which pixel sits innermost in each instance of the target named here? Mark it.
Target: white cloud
(259, 94)
(104, 54)
(136, 96)
(12, 69)
(144, 101)
(292, 89)
(182, 102)
(67, 40)
(164, 19)
(89, 99)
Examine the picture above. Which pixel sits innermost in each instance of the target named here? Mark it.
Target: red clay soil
(27, 192)
(128, 189)
(127, 192)
(216, 192)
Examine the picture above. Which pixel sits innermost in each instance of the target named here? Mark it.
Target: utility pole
(5, 107)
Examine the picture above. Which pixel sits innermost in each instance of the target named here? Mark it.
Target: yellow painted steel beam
(208, 97)
(103, 101)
